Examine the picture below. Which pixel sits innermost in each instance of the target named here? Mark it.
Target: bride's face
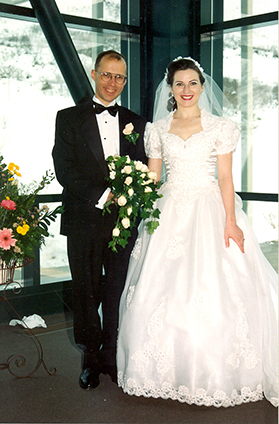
(186, 88)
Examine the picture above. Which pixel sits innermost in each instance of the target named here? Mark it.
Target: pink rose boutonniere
(130, 134)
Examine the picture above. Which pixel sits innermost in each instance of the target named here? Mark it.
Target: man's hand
(110, 197)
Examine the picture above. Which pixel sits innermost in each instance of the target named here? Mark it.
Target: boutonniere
(130, 134)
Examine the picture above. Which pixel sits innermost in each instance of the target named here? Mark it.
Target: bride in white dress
(198, 319)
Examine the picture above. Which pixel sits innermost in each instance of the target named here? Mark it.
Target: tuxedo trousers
(98, 276)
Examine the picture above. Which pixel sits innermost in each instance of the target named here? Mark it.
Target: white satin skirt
(198, 321)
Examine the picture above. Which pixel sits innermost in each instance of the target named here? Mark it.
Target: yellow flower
(23, 229)
(11, 166)
(13, 169)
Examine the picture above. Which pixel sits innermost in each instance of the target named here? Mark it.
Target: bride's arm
(155, 165)
(225, 180)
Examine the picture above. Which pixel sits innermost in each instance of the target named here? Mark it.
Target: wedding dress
(198, 321)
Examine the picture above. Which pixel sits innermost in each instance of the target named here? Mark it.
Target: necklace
(193, 119)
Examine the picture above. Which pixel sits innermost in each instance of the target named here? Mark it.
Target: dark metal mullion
(248, 195)
(17, 12)
(253, 21)
(194, 34)
(79, 22)
(259, 197)
(145, 57)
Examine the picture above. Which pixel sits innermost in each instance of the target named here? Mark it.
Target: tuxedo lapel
(90, 132)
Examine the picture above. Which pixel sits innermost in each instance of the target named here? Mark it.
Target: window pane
(32, 90)
(22, 3)
(264, 219)
(240, 8)
(107, 10)
(250, 70)
(53, 255)
(218, 11)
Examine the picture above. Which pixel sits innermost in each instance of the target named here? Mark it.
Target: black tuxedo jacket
(80, 165)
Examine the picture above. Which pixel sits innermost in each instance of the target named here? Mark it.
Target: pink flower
(6, 240)
(8, 204)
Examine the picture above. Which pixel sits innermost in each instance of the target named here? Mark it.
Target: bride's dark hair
(180, 65)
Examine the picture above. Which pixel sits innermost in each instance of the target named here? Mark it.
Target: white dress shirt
(109, 132)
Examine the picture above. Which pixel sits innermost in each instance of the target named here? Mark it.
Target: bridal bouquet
(23, 225)
(135, 191)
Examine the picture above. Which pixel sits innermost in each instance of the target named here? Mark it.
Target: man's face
(106, 92)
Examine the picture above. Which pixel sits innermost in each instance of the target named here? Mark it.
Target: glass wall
(32, 90)
(244, 59)
(238, 8)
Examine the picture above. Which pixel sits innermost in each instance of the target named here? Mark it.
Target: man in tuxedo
(85, 135)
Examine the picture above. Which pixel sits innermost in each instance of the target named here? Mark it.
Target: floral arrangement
(135, 191)
(23, 226)
(130, 134)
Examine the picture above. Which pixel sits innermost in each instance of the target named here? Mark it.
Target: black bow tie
(98, 108)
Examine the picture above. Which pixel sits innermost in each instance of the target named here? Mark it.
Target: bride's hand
(234, 232)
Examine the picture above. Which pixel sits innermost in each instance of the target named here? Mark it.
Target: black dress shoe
(89, 379)
(111, 370)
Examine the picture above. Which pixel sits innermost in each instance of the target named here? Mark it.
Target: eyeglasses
(107, 76)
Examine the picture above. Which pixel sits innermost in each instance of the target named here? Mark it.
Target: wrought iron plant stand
(18, 361)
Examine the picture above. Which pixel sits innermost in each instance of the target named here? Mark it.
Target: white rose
(128, 129)
(112, 175)
(144, 168)
(129, 211)
(142, 175)
(115, 232)
(139, 165)
(127, 169)
(128, 180)
(147, 182)
(152, 175)
(112, 165)
(125, 222)
(148, 190)
(130, 192)
(116, 156)
(128, 159)
(122, 201)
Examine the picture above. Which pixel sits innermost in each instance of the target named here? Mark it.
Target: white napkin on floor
(31, 322)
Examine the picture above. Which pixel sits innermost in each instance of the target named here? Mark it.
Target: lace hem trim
(182, 394)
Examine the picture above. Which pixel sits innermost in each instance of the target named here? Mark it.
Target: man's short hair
(112, 54)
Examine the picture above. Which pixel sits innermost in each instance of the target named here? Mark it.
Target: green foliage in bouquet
(135, 191)
(23, 226)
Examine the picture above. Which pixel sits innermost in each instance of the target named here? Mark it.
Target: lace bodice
(190, 164)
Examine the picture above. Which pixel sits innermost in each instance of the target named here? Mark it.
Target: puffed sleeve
(228, 137)
(152, 142)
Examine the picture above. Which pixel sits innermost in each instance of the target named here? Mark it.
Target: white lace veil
(212, 99)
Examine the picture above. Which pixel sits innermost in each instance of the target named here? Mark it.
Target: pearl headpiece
(187, 58)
